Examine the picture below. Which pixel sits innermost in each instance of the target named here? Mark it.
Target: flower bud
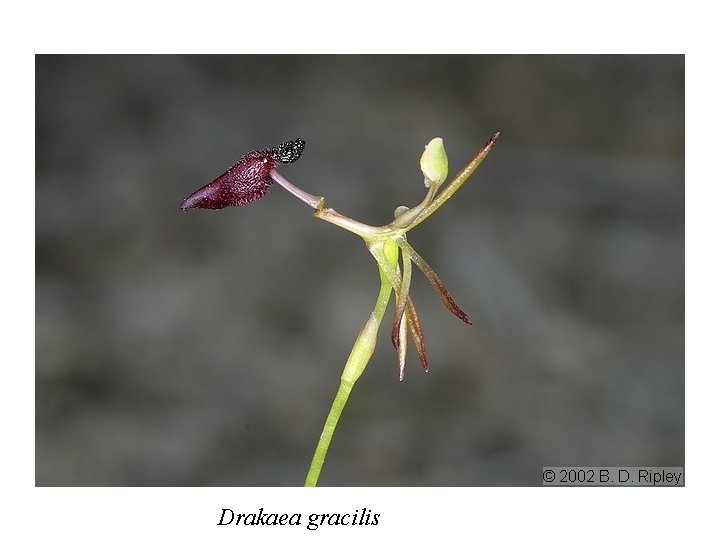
(434, 163)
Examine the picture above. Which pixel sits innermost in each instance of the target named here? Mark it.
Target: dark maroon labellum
(246, 181)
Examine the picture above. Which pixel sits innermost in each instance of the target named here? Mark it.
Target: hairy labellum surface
(246, 181)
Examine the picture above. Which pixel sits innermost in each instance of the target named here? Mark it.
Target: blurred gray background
(205, 349)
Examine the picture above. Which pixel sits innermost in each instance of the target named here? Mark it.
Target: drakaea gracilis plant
(251, 178)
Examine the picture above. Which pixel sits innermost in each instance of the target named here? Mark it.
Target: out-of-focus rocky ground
(205, 349)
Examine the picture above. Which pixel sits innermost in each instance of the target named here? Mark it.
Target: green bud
(434, 163)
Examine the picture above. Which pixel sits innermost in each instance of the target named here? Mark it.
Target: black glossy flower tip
(246, 181)
(289, 151)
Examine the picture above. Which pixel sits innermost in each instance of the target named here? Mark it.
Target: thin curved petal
(402, 297)
(402, 346)
(417, 334)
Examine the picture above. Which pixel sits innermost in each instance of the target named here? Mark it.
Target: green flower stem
(333, 418)
(357, 361)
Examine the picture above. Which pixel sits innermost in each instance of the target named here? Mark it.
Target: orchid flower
(251, 178)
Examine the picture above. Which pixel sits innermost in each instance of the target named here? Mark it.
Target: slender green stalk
(359, 356)
(368, 232)
(311, 200)
(336, 410)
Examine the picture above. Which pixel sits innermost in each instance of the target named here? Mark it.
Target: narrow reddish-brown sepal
(490, 142)
(402, 297)
(435, 281)
(444, 295)
(395, 332)
(417, 334)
